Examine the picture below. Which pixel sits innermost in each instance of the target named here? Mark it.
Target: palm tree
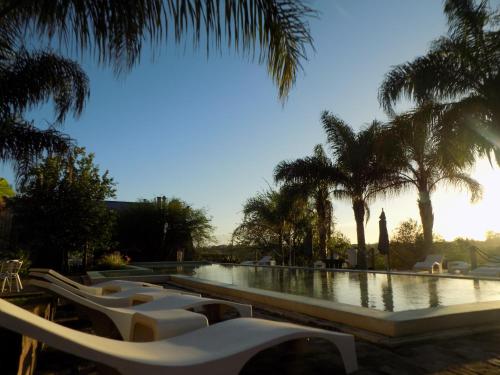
(426, 153)
(462, 66)
(360, 174)
(271, 214)
(28, 79)
(276, 32)
(314, 176)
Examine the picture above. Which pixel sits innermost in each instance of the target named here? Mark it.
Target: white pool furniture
(264, 261)
(489, 270)
(10, 274)
(433, 263)
(127, 297)
(457, 266)
(164, 302)
(106, 287)
(159, 324)
(221, 349)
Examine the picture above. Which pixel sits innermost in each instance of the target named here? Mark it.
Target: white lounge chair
(265, 261)
(222, 348)
(458, 266)
(433, 263)
(106, 287)
(125, 298)
(489, 270)
(167, 302)
(153, 325)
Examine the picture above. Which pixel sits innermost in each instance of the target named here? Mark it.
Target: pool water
(372, 290)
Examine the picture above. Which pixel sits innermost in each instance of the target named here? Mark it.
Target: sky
(211, 130)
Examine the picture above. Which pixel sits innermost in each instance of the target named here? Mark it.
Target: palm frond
(28, 79)
(276, 31)
(23, 144)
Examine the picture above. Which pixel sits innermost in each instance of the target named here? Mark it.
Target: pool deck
(475, 353)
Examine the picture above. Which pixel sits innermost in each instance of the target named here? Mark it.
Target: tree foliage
(462, 67)
(275, 31)
(61, 209)
(157, 229)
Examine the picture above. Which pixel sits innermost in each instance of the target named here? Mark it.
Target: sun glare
(456, 217)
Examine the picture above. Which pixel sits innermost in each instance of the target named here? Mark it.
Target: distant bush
(112, 261)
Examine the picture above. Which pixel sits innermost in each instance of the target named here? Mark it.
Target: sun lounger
(458, 266)
(212, 307)
(433, 263)
(490, 270)
(106, 287)
(221, 349)
(153, 325)
(125, 298)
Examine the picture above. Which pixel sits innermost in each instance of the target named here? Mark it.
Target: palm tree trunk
(427, 218)
(322, 230)
(358, 206)
(281, 249)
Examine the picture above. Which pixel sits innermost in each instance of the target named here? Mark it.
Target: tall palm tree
(463, 67)
(361, 175)
(276, 32)
(28, 79)
(426, 154)
(314, 176)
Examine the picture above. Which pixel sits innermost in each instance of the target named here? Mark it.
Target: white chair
(154, 324)
(164, 302)
(458, 266)
(10, 273)
(221, 349)
(433, 263)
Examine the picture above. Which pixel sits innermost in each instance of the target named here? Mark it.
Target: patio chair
(212, 307)
(457, 266)
(433, 263)
(265, 261)
(222, 348)
(10, 273)
(125, 298)
(155, 324)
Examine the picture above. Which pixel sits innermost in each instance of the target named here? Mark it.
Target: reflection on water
(377, 291)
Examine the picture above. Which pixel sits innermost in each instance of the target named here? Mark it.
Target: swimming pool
(377, 291)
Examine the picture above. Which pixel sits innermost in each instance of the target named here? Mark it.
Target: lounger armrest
(155, 326)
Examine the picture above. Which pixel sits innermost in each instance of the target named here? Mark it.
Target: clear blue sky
(210, 131)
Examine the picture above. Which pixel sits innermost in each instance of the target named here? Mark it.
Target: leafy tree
(462, 67)
(60, 209)
(406, 244)
(314, 176)
(157, 229)
(419, 145)
(360, 174)
(276, 31)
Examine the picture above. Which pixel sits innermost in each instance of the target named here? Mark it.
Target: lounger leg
(347, 349)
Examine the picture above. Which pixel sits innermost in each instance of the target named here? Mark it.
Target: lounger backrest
(94, 348)
(67, 294)
(83, 290)
(53, 276)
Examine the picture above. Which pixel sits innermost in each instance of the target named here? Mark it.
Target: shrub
(112, 261)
